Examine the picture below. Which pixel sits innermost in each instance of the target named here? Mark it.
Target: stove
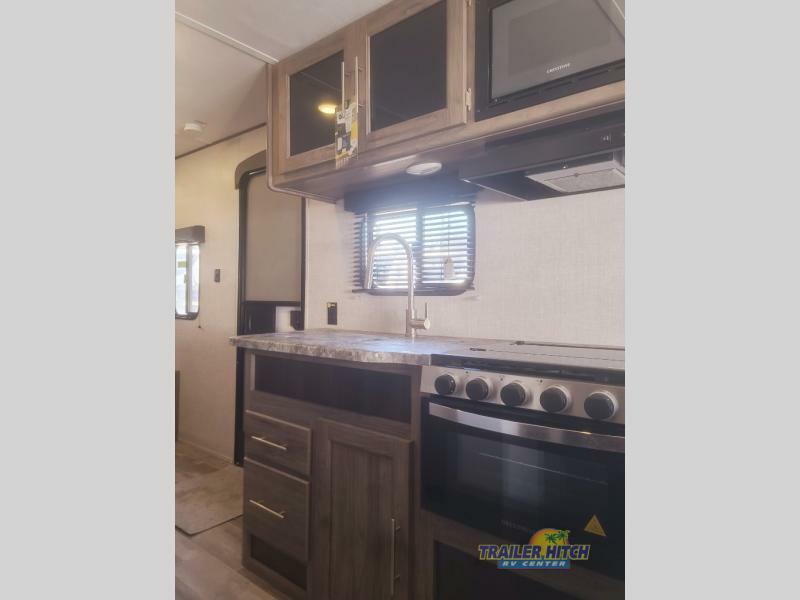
(518, 437)
(584, 382)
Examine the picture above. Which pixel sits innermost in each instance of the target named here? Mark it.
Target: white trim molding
(225, 39)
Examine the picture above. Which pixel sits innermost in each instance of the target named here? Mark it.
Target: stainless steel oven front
(510, 472)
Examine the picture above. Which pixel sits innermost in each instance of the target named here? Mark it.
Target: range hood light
(424, 168)
(327, 108)
(592, 173)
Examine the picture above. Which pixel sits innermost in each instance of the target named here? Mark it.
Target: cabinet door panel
(408, 68)
(314, 94)
(362, 504)
(306, 89)
(415, 77)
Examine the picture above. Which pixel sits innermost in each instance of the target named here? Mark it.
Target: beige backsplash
(547, 270)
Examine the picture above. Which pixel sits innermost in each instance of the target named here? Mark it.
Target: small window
(187, 281)
(443, 241)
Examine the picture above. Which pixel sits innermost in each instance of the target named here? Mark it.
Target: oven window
(529, 480)
(512, 486)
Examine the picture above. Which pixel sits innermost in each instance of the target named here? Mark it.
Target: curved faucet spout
(412, 323)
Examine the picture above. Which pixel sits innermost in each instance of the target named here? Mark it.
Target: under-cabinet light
(424, 168)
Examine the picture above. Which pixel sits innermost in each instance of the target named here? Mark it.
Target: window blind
(442, 238)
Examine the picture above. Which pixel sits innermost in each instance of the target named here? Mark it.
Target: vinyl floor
(208, 566)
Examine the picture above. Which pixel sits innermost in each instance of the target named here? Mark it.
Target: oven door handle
(541, 433)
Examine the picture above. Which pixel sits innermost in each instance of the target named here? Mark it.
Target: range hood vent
(597, 172)
(570, 159)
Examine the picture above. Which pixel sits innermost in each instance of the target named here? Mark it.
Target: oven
(533, 51)
(510, 472)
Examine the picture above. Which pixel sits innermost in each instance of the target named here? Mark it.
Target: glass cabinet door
(408, 68)
(415, 79)
(306, 93)
(314, 95)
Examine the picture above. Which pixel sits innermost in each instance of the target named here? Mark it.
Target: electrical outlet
(333, 313)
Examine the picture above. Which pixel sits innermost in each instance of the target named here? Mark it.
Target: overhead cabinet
(307, 91)
(404, 64)
(415, 57)
(420, 72)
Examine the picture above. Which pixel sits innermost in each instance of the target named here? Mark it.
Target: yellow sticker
(593, 526)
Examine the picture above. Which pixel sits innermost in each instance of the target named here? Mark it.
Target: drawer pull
(268, 443)
(280, 514)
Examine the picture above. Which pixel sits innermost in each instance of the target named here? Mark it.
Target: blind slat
(435, 233)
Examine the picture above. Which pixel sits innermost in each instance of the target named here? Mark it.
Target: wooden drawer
(276, 508)
(273, 441)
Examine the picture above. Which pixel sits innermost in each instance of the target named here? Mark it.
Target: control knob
(514, 394)
(555, 399)
(600, 405)
(445, 384)
(478, 389)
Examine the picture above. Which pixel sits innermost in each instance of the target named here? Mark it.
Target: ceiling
(221, 52)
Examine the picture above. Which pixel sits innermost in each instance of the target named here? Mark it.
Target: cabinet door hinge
(468, 98)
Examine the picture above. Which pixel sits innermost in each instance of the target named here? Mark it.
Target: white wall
(205, 195)
(547, 270)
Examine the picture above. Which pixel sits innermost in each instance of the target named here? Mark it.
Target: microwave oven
(532, 51)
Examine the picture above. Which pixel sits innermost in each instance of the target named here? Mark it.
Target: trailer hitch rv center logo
(547, 549)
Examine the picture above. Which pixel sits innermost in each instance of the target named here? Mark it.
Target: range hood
(578, 157)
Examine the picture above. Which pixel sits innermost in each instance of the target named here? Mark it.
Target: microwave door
(538, 41)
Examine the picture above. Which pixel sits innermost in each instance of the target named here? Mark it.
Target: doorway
(272, 239)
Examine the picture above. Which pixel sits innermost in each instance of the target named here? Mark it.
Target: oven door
(513, 476)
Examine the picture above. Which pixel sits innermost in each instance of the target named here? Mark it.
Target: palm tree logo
(558, 537)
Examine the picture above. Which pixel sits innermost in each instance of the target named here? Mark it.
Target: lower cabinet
(275, 526)
(276, 507)
(327, 478)
(361, 518)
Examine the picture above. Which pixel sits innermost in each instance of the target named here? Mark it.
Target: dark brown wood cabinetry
(276, 441)
(276, 507)
(362, 515)
(327, 493)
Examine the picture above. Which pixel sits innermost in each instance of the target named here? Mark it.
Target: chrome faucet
(412, 322)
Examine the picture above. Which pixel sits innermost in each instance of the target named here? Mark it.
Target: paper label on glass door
(346, 134)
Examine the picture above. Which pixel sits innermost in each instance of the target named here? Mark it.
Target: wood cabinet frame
(455, 110)
(285, 161)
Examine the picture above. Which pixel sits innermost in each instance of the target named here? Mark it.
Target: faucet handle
(425, 321)
(416, 323)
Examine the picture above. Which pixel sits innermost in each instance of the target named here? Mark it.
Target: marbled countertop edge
(356, 346)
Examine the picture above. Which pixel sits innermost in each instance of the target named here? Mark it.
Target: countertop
(371, 347)
(356, 346)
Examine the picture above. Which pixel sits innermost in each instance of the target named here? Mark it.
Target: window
(443, 241)
(187, 281)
